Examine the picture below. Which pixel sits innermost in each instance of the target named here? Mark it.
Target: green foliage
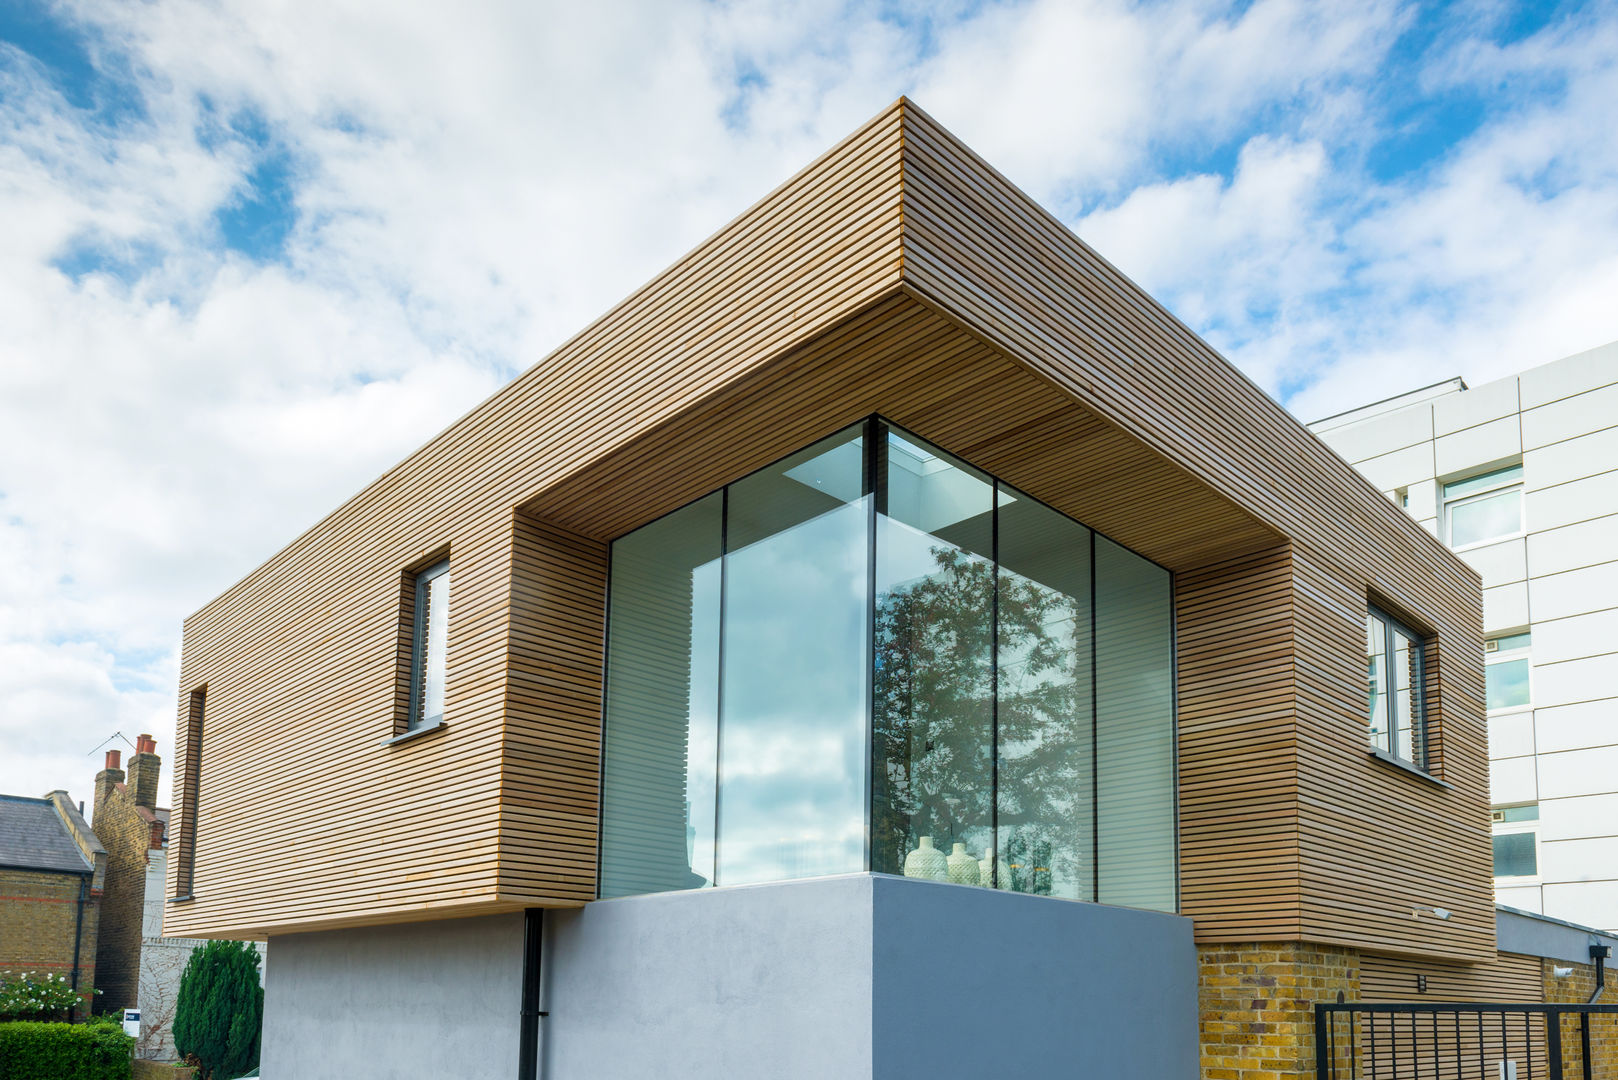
(220, 1010)
(31, 995)
(35, 1051)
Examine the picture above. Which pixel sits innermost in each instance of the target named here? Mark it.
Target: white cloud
(473, 185)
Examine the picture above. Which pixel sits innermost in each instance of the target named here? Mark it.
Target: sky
(253, 253)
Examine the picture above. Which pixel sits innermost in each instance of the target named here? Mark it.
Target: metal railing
(1460, 1041)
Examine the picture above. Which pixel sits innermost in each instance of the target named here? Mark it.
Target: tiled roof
(34, 837)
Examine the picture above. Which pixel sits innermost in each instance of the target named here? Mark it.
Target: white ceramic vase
(927, 862)
(986, 869)
(963, 869)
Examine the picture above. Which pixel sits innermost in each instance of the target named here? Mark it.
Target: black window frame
(1418, 722)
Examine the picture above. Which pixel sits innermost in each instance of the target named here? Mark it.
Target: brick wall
(38, 913)
(124, 823)
(1575, 989)
(1257, 1006)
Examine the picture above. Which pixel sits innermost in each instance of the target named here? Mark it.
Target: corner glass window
(1397, 688)
(1484, 508)
(1516, 840)
(427, 654)
(873, 656)
(1505, 672)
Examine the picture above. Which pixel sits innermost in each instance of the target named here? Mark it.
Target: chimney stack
(107, 779)
(143, 770)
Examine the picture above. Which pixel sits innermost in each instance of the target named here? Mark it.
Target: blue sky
(256, 253)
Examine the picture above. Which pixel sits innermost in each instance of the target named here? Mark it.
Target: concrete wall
(974, 983)
(849, 977)
(868, 976)
(415, 1000)
(1558, 579)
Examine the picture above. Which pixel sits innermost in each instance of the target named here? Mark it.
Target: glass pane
(1514, 855)
(1047, 765)
(1519, 813)
(1376, 643)
(1506, 683)
(1406, 671)
(1512, 641)
(1485, 517)
(795, 668)
(932, 769)
(432, 681)
(1134, 729)
(1473, 484)
(662, 692)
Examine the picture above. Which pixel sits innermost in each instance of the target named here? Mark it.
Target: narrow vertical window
(1505, 672)
(427, 652)
(190, 787)
(1397, 686)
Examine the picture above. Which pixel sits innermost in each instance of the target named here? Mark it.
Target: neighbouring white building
(1520, 477)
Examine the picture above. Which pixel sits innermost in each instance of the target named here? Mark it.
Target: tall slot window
(1505, 672)
(427, 652)
(190, 789)
(1396, 682)
(1484, 508)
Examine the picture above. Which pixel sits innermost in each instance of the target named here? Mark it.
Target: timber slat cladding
(899, 275)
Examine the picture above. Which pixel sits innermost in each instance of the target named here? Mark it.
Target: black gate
(1463, 1041)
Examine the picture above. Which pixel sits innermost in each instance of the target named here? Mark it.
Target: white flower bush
(30, 995)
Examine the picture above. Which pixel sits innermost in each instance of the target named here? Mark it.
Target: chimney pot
(113, 757)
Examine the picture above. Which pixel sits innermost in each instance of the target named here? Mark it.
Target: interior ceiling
(924, 372)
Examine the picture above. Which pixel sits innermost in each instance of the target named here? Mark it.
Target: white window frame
(1447, 504)
(1501, 656)
(1418, 696)
(1512, 828)
(419, 656)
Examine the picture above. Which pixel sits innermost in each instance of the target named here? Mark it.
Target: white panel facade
(1553, 758)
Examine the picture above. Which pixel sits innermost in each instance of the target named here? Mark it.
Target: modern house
(886, 644)
(1520, 477)
(52, 874)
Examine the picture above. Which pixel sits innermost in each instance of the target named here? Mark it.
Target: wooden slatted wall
(1239, 855)
(311, 823)
(978, 247)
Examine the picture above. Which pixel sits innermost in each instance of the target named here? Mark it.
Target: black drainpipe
(1599, 954)
(78, 935)
(533, 952)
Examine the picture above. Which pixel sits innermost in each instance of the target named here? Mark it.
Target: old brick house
(52, 874)
(128, 822)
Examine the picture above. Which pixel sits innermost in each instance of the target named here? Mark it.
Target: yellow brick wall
(38, 912)
(126, 836)
(1256, 1006)
(1576, 989)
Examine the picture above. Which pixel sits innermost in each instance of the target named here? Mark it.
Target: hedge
(30, 1050)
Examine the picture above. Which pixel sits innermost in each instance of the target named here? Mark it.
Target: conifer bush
(220, 1010)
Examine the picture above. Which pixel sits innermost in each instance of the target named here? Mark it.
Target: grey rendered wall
(868, 976)
(753, 981)
(431, 999)
(974, 983)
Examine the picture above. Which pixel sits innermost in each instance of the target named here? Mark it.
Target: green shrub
(32, 995)
(34, 1051)
(220, 1010)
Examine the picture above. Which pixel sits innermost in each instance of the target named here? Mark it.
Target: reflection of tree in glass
(933, 695)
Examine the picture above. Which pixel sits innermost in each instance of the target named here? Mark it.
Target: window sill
(186, 899)
(413, 733)
(1400, 763)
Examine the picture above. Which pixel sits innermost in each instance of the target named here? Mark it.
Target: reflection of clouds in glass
(793, 724)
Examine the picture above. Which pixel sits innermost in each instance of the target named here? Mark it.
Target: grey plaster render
(427, 999)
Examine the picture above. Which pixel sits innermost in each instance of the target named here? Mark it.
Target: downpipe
(533, 955)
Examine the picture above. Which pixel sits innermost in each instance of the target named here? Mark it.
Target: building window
(427, 647)
(1516, 840)
(1506, 672)
(873, 656)
(1397, 688)
(1484, 508)
(190, 771)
